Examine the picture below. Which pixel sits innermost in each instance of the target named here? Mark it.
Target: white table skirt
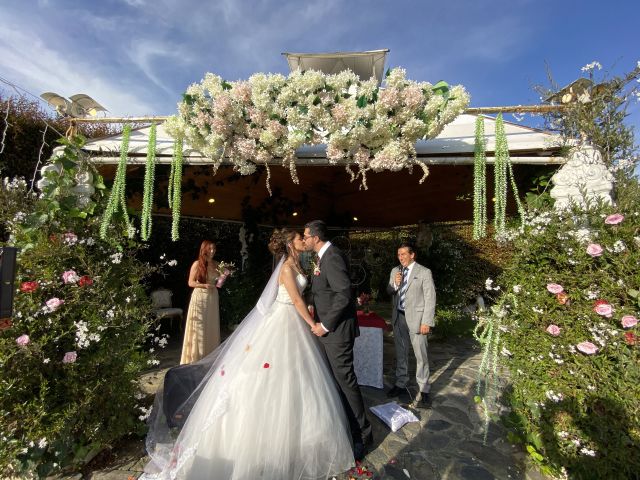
(367, 357)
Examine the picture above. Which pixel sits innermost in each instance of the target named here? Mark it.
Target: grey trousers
(402, 338)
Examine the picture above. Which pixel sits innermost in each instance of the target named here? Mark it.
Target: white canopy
(364, 64)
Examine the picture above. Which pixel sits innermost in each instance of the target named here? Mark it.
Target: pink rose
(70, 276)
(553, 330)
(602, 307)
(587, 347)
(614, 219)
(70, 357)
(554, 288)
(54, 303)
(629, 321)
(22, 340)
(594, 250)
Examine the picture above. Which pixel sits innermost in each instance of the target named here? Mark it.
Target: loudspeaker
(7, 280)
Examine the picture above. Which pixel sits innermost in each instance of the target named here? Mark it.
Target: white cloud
(30, 63)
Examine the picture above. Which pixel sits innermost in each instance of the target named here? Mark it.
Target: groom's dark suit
(335, 307)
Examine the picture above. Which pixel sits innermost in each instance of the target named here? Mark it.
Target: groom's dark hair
(317, 228)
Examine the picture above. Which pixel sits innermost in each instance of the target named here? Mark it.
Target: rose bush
(72, 353)
(574, 361)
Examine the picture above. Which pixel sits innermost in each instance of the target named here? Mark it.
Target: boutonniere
(316, 268)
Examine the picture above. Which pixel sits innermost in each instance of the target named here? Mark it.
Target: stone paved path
(446, 444)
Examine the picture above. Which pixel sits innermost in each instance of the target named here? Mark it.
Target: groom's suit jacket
(333, 302)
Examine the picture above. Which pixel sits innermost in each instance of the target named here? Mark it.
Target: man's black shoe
(359, 451)
(396, 391)
(422, 400)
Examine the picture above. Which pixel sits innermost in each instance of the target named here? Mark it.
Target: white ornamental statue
(83, 188)
(584, 177)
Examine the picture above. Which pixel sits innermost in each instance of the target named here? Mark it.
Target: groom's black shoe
(360, 447)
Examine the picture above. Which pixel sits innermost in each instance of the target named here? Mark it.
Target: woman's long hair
(281, 245)
(203, 261)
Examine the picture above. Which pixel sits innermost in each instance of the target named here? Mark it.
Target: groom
(336, 326)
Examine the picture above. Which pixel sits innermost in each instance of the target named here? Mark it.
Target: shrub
(564, 325)
(72, 354)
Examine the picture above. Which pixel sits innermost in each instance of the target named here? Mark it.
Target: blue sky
(136, 57)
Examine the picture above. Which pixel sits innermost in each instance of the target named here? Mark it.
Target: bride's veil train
(184, 384)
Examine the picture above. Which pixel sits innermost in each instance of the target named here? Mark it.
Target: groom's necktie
(402, 291)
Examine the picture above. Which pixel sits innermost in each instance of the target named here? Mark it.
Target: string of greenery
(480, 182)
(117, 197)
(149, 180)
(500, 178)
(175, 185)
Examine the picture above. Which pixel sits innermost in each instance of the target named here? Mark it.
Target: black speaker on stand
(7, 280)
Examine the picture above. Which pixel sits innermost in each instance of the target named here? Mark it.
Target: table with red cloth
(367, 350)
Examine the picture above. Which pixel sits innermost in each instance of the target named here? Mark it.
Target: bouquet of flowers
(225, 270)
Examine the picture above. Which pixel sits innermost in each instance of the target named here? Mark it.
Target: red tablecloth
(372, 319)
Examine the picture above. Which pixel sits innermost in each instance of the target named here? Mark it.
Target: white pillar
(584, 177)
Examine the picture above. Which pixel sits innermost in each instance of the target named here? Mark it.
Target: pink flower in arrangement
(553, 330)
(70, 276)
(70, 357)
(555, 288)
(614, 219)
(54, 303)
(266, 365)
(22, 340)
(594, 250)
(604, 308)
(587, 347)
(629, 321)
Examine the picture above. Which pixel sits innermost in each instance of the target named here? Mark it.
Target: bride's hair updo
(279, 241)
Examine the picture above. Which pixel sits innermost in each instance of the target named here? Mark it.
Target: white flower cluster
(16, 183)
(116, 257)
(83, 337)
(488, 285)
(591, 66)
(602, 333)
(270, 116)
(554, 397)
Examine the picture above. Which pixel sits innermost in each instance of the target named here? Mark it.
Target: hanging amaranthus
(175, 186)
(500, 177)
(117, 197)
(149, 181)
(480, 182)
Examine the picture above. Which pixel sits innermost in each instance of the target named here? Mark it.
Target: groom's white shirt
(320, 253)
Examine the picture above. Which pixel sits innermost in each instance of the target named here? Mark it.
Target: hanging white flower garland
(117, 198)
(149, 181)
(270, 116)
(480, 182)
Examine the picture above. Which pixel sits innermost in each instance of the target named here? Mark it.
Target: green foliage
(595, 112)
(28, 137)
(574, 410)
(72, 388)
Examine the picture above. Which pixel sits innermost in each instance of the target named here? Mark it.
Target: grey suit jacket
(420, 301)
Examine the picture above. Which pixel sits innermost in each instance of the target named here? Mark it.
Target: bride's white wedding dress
(269, 410)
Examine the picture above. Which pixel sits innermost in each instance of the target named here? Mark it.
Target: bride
(266, 407)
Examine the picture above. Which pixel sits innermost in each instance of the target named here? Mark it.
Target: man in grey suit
(337, 327)
(414, 305)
